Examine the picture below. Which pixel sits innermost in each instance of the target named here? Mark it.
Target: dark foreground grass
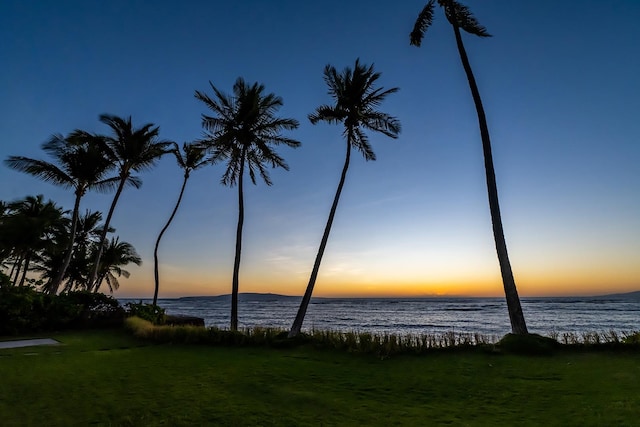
(110, 378)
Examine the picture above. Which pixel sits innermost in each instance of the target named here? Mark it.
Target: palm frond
(460, 15)
(360, 142)
(327, 113)
(383, 123)
(422, 24)
(134, 181)
(46, 171)
(106, 185)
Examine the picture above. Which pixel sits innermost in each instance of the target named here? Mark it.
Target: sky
(559, 82)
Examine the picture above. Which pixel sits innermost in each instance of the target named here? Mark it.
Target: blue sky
(559, 84)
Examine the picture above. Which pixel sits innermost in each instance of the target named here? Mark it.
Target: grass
(110, 378)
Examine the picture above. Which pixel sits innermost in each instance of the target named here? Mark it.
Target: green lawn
(109, 378)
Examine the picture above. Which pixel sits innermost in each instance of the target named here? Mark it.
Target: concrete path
(27, 343)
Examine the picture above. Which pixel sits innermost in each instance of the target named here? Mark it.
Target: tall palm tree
(356, 99)
(242, 133)
(191, 157)
(116, 255)
(460, 17)
(132, 150)
(82, 164)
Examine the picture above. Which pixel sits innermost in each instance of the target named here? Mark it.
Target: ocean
(487, 316)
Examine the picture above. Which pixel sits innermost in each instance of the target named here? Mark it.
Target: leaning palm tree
(242, 133)
(82, 164)
(356, 99)
(460, 17)
(116, 255)
(131, 150)
(191, 157)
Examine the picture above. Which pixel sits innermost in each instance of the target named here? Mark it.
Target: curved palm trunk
(27, 260)
(13, 268)
(306, 299)
(518, 324)
(67, 259)
(155, 251)
(93, 282)
(236, 262)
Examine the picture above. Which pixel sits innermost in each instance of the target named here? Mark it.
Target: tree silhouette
(242, 133)
(460, 17)
(191, 157)
(82, 164)
(131, 150)
(116, 255)
(356, 101)
(29, 228)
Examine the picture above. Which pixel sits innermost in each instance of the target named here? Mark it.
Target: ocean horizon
(618, 313)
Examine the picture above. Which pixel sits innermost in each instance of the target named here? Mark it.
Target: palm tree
(77, 273)
(116, 255)
(82, 164)
(356, 99)
(29, 228)
(243, 133)
(191, 157)
(132, 150)
(460, 17)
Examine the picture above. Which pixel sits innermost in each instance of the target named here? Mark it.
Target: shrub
(528, 344)
(150, 312)
(25, 310)
(632, 338)
(5, 281)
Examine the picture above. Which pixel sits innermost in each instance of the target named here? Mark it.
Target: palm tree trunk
(67, 259)
(236, 262)
(18, 266)
(518, 324)
(27, 260)
(14, 265)
(306, 299)
(155, 251)
(103, 235)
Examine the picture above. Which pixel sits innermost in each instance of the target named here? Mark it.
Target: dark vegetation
(24, 310)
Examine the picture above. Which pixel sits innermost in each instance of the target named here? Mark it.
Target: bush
(25, 310)
(633, 338)
(150, 312)
(528, 344)
(5, 281)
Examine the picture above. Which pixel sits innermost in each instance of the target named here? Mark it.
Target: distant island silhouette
(257, 296)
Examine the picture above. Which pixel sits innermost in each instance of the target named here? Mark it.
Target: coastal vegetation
(110, 377)
(34, 245)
